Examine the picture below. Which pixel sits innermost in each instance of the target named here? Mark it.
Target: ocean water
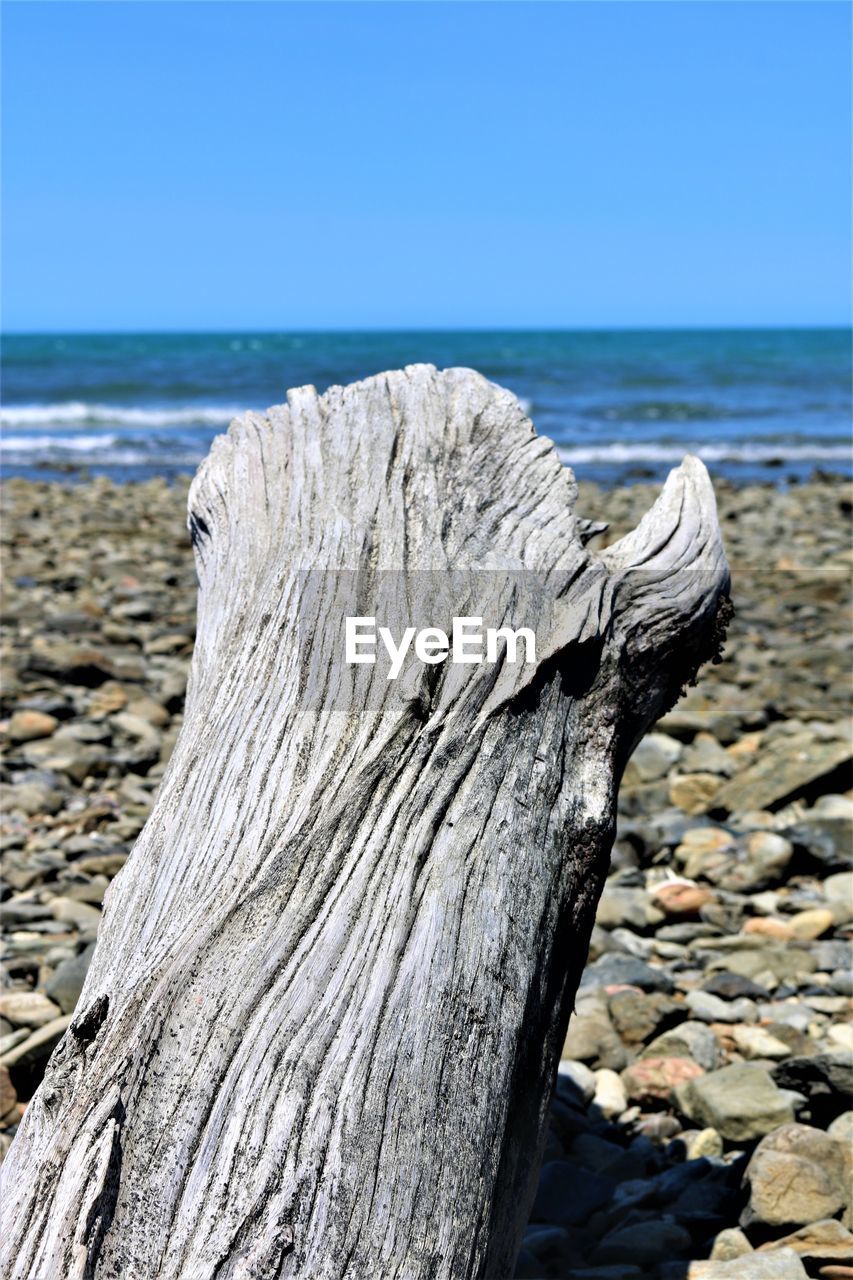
(767, 405)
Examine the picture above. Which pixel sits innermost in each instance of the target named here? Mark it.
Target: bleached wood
(322, 1023)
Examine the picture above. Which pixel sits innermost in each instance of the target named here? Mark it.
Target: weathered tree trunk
(322, 1024)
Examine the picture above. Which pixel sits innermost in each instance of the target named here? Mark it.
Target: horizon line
(845, 326)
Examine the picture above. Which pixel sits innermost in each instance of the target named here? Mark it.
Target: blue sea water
(755, 404)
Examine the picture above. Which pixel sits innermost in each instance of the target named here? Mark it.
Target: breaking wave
(583, 455)
(76, 413)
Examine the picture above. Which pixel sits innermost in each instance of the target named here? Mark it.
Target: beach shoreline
(620, 405)
(723, 937)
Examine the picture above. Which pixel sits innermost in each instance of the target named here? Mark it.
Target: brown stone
(822, 1241)
(637, 1015)
(745, 750)
(8, 1096)
(108, 864)
(768, 927)
(681, 897)
(104, 701)
(782, 768)
(27, 1008)
(812, 924)
(788, 1189)
(796, 1177)
(694, 793)
(25, 726)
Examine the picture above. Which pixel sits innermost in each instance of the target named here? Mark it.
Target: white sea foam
(583, 455)
(43, 444)
(74, 413)
(121, 456)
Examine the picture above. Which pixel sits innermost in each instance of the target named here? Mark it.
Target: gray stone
(758, 1042)
(620, 970)
(731, 986)
(637, 1015)
(638, 798)
(620, 1272)
(620, 905)
(653, 758)
(551, 1247)
(730, 1243)
(705, 755)
(15, 913)
(787, 1013)
(596, 1153)
(27, 1008)
(842, 982)
(723, 713)
(71, 663)
(824, 1079)
(740, 1101)
(782, 770)
(692, 1040)
(10, 1039)
(839, 888)
(84, 731)
(828, 840)
(565, 1197)
(782, 963)
(709, 1203)
(645, 1243)
(38, 1046)
(591, 1038)
(66, 983)
(832, 955)
(30, 797)
(710, 1008)
(762, 859)
(81, 914)
(66, 755)
(630, 943)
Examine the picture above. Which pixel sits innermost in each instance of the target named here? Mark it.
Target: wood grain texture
(321, 1027)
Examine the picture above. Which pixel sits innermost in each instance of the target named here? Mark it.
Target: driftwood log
(321, 1027)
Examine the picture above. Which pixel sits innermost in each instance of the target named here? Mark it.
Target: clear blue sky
(323, 165)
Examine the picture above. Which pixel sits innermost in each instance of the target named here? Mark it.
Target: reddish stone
(679, 898)
(655, 1079)
(769, 928)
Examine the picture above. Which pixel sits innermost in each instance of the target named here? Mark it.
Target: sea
(758, 405)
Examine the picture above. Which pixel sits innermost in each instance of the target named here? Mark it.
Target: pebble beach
(701, 1125)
